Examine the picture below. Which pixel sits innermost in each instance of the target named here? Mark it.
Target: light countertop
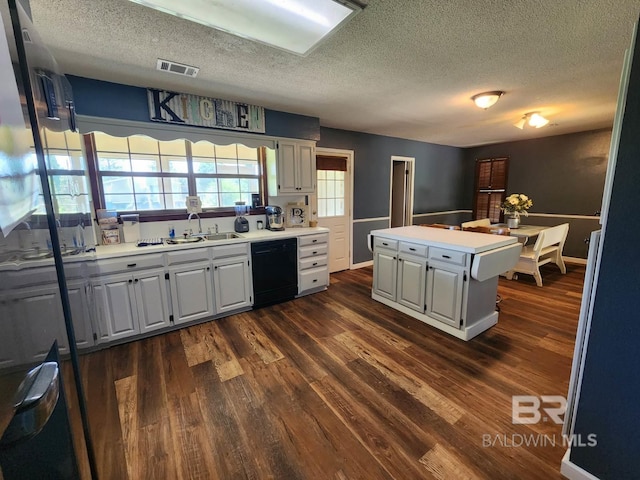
(468, 242)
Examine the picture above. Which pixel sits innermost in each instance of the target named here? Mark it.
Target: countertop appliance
(275, 217)
(241, 224)
(275, 271)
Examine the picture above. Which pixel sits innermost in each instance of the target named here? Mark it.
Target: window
(138, 173)
(491, 185)
(330, 185)
(67, 172)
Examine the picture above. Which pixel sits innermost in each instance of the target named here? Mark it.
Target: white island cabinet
(445, 278)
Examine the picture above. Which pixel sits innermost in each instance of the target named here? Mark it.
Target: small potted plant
(514, 205)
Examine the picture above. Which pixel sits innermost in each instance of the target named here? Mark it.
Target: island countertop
(468, 242)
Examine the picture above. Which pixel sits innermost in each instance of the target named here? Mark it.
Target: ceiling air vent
(177, 68)
(26, 36)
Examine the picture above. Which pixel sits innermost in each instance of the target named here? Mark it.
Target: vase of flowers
(514, 205)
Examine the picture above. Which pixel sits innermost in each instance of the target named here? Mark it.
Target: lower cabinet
(9, 341)
(385, 273)
(232, 284)
(80, 315)
(130, 303)
(313, 269)
(445, 284)
(191, 292)
(411, 283)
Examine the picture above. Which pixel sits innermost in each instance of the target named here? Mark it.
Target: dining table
(524, 232)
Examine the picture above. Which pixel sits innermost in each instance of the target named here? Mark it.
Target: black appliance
(241, 225)
(275, 218)
(275, 271)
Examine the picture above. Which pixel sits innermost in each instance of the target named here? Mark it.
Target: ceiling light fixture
(533, 119)
(296, 26)
(487, 99)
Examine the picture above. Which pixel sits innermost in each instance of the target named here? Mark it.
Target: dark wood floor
(337, 386)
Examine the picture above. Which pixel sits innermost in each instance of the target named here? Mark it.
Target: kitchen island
(445, 278)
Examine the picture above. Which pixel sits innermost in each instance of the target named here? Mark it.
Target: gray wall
(440, 178)
(564, 175)
(608, 406)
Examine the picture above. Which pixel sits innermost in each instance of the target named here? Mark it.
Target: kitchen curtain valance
(324, 162)
(165, 132)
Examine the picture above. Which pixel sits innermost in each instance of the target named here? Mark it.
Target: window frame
(95, 176)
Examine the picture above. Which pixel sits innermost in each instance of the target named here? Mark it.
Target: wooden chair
(547, 249)
(440, 225)
(483, 222)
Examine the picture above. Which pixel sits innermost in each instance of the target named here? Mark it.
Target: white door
(333, 204)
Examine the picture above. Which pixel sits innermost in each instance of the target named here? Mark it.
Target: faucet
(191, 215)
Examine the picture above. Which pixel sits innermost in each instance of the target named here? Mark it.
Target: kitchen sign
(187, 109)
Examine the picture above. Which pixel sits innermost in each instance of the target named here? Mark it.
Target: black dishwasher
(275, 271)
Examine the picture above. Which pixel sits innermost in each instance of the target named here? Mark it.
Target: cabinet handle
(446, 256)
(136, 280)
(385, 244)
(315, 280)
(130, 281)
(215, 268)
(315, 253)
(399, 259)
(412, 249)
(208, 268)
(314, 240)
(129, 265)
(315, 263)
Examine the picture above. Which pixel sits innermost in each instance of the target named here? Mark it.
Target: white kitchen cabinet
(385, 273)
(77, 292)
(296, 167)
(231, 284)
(41, 309)
(445, 285)
(411, 284)
(10, 348)
(130, 303)
(447, 279)
(313, 268)
(191, 291)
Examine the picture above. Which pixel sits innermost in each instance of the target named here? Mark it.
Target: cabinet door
(232, 285)
(10, 349)
(41, 308)
(287, 182)
(120, 316)
(191, 292)
(412, 274)
(80, 314)
(444, 293)
(306, 174)
(99, 311)
(385, 274)
(151, 299)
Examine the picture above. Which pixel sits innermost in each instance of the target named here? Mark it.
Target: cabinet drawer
(186, 256)
(313, 239)
(134, 262)
(449, 256)
(316, 277)
(233, 250)
(312, 262)
(385, 243)
(313, 250)
(413, 249)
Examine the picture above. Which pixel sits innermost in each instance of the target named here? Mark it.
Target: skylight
(293, 25)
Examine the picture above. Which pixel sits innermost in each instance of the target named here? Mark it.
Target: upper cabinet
(293, 171)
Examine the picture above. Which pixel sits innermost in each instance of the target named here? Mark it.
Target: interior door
(334, 205)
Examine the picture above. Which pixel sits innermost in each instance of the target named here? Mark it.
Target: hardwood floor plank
(336, 385)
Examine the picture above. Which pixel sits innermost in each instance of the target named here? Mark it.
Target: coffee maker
(275, 218)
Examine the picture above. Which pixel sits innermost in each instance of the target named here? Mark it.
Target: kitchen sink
(183, 240)
(36, 255)
(222, 236)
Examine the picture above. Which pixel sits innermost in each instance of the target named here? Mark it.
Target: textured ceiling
(404, 68)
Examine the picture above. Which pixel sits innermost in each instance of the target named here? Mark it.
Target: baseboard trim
(355, 266)
(572, 471)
